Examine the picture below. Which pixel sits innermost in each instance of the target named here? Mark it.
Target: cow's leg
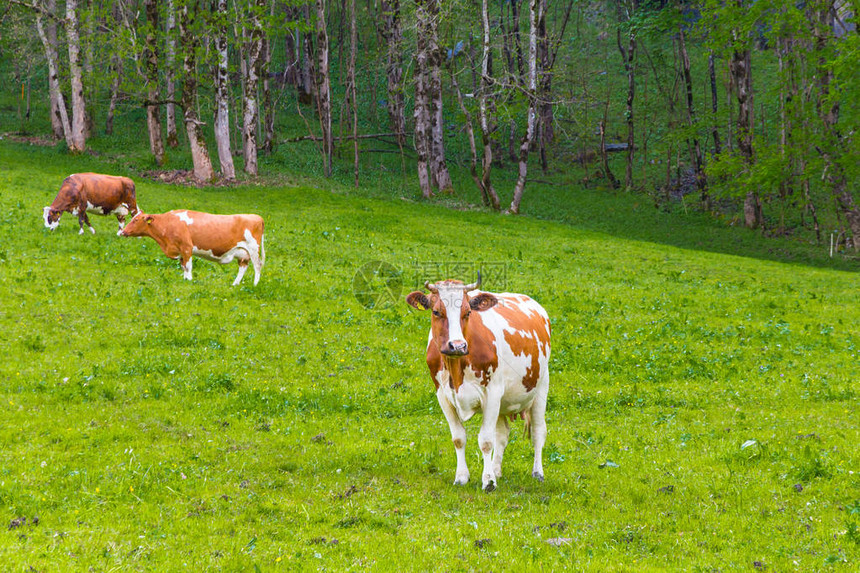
(458, 436)
(121, 218)
(503, 430)
(84, 220)
(243, 266)
(487, 438)
(186, 265)
(538, 429)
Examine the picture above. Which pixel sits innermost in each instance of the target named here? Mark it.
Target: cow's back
(520, 332)
(219, 233)
(104, 190)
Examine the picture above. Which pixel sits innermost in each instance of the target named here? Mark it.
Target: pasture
(702, 412)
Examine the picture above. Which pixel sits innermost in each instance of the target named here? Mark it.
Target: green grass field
(702, 412)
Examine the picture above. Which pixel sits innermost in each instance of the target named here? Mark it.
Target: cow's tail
(527, 426)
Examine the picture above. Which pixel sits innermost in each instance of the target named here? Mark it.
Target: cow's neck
(158, 236)
(455, 368)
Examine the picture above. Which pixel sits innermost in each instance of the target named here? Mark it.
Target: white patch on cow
(186, 270)
(452, 300)
(183, 216)
(75, 211)
(81, 232)
(247, 250)
(97, 209)
(93, 231)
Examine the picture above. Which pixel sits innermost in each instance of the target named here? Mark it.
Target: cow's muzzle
(456, 348)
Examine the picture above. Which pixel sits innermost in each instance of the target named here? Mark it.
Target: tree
(393, 35)
(190, 42)
(220, 18)
(79, 104)
(323, 86)
(250, 105)
(626, 13)
(519, 187)
(153, 115)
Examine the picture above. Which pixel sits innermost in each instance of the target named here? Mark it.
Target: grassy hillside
(702, 408)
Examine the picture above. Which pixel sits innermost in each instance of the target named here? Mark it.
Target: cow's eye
(468, 312)
(437, 314)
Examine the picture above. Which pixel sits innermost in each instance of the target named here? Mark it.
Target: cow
(219, 238)
(487, 352)
(84, 193)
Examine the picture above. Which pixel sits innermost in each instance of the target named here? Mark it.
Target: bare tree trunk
(438, 167)
(422, 97)
(150, 57)
(715, 131)
(833, 147)
(353, 45)
(518, 45)
(519, 187)
(268, 109)
(222, 93)
(116, 69)
(323, 85)
(307, 92)
(628, 55)
(62, 116)
(742, 83)
(250, 115)
(691, 120)
(190, 42)
(485, 106)
(79, 106)
(170, 55)
(88, 49)
(393, 34)
(50, 33)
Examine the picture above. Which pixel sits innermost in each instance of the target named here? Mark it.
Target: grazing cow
(94, 193)
(487, 352)
(218, 238)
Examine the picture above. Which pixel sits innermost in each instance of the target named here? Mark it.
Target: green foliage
(702, 407)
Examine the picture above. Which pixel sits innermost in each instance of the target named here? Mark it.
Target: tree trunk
(519, 187)
(50, 33)
(268, 109)
(545, 108)
(628, 56)
(393, 34)
(439, 175)
(79, 106)
(832, 149)
(190, 42)
(518, 45)
(485, 107)
(715, 131)
(691, 120)
(150, 57)
(250, 105)
(422, 97)
(116, 69)
(170, 55)
(60, 112)
(742, 83)
(353, 45)
(307, 91)
(222, 93)
(323, 83)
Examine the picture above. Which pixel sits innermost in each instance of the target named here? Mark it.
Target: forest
(743, 110)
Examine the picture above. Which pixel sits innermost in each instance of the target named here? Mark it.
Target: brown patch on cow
(538, 329)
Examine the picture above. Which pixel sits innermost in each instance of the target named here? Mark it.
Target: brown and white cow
(487, 352)
(84, 193)
(219, 238)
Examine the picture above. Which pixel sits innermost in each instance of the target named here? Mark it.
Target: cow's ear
(483, 301)
(418, 299)
(149, 219)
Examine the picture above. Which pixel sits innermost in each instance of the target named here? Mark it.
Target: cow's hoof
(461, 480)
(81, 232)
(93, 231)
(491, 486)
(538, 476)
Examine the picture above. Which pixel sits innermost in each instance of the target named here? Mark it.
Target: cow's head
(138, 226)
(52, 217)
(451, 305)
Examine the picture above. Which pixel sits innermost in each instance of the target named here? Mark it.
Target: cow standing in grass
(84, 193)
(218, 238)
(487, 352)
